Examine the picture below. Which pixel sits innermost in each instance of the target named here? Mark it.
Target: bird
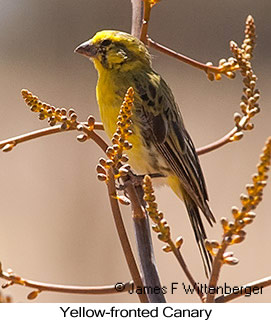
(161, 144)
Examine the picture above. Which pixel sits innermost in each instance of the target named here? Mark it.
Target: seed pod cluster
(232, 64)
(226, 67)
(250, 37)
(233, 231)
(120, 143)
(120, 138)
(249, 101)
(160, 225)
(67, 118)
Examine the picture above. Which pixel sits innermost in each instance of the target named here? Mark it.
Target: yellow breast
(110, 98)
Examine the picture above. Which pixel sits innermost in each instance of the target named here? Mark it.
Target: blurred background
(56, 224)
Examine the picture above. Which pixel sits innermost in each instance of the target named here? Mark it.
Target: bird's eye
(106, 42)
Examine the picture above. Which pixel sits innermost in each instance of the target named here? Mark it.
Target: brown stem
(148, 266)
(137, 209)
(30, 135)
(216, 271)
(182, 263)
(145, 24)
(180, 57)
(40, 133)
(99, 126)
(217, 144)
(99, 141)
(259, 284)
(137, 17)
(127, 250)
(88, 290)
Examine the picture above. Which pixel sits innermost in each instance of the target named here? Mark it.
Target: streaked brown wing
(164, 125)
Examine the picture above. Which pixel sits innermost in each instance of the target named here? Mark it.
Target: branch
(259, 284)
(218, 262)
(7, 144)
(123, 235)
(144, 240)
(228, 70)
(146, 19)
(142, 8)
(89, 133)
(189, 276)
(217, 144)
(40, 286)
(137, 17)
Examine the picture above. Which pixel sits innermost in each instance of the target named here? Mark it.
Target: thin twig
(99, 126)
(41, 133)
(99, 141)
(216, 271)
(182, 58)
(182, 263)
(217, 144)
(259, 284)
(89, 290)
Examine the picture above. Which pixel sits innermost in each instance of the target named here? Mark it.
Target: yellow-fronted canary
(161, 143)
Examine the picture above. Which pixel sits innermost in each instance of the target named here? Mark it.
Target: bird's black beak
(87, 49)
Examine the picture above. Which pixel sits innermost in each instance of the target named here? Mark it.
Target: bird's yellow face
(115, 50)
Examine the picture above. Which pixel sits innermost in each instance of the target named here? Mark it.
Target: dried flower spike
(249, 102)
(250, 37)
(120, 143)
(161, 227)
(120, 140)
(233, 231)
(229, 66)
(47, 111)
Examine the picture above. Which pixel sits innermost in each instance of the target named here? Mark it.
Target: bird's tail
(199, 231)
(196, 221)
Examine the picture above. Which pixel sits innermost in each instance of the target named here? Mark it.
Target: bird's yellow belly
(143, 159)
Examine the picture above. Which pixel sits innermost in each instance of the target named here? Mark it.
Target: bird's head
(117, 50)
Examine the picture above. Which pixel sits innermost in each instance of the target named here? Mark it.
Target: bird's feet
(135, 179)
